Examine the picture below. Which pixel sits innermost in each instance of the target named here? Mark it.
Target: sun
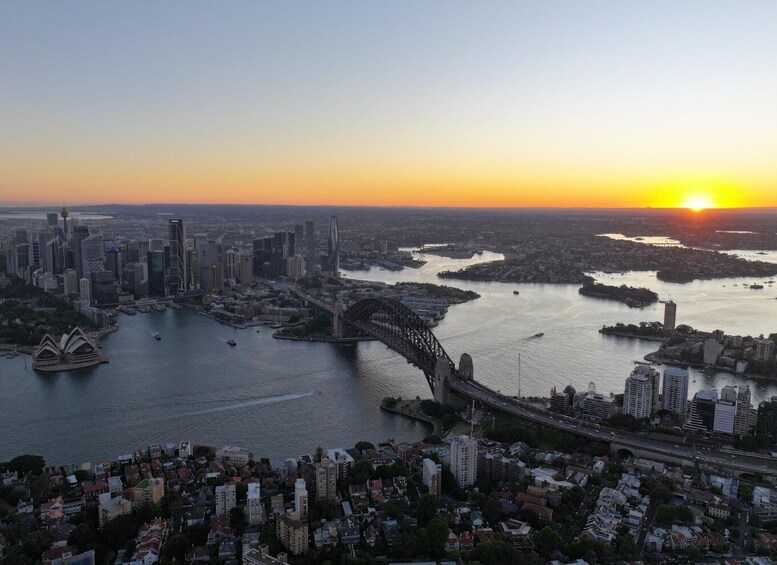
(698, 202)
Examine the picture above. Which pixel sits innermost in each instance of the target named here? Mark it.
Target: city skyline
(552, 105)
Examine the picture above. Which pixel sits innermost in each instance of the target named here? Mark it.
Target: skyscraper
(670, 315)
(725, 411)
(92, 257)
(333, 248)
(675, 391)
(742, 416)
(177, 265)
(767, 418)
(326, 479)
(310, 248)
(80, 233)
(464, 460)
(640, 398)
(299, 240)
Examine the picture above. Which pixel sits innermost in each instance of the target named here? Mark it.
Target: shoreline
(654, 357)
(436, 426)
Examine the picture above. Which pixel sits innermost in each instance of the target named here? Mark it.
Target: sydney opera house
(74, 351)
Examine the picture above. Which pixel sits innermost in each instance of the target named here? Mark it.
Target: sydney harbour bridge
(402, 330)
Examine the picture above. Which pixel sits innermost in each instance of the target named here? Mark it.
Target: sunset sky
(600, 104)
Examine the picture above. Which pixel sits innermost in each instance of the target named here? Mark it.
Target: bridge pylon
(338, 325)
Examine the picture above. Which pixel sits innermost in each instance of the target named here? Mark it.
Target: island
(630, 296)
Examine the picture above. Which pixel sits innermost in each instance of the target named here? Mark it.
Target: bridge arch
(400, 329)
(622, 454)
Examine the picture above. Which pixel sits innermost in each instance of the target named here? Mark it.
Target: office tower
(432, 476)
(208, 254)
(725, 411)
(299, 240)
(326, 479)
(84, 292)
(254, 507)
(295, 267)
(177, 257)
(52, 220)
(640, 398)
(80, 233)
(70, 282)
(742, 415)
(113, 261)
(156, 274)
(702, 415)
(54, 255)
(92, 259)
(310, 248)
(105, 289)
(766, 424)
(333, 248)
(157, 244)
(670, 315)
(245, 268)
(464, 460)
(226, 499)
(301, 500)
(270, 254)
(231, 264)
(675, 391)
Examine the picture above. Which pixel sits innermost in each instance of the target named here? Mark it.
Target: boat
(232, 342)
(539, 334)
(516, 293)
(277, 326)
(756, 287)
(641, 363)
(157, 336)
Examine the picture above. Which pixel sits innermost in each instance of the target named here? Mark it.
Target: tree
(493, 553)
(237, 520)
(176, 547)
(24, 464)
(438, 535)
(364, 445)
(427, 508)
(361, 471)
(548, 540)
(205, 451)
(83, 536)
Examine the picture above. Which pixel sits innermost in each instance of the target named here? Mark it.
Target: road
(644, 528)
(741, 462)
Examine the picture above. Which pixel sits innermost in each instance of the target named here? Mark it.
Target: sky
(560, 104)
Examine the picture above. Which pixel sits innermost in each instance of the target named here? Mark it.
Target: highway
(741, 462)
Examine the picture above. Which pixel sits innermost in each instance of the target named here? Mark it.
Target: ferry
(157, 336)
(756, 287)
(641, 363)
(232, 342)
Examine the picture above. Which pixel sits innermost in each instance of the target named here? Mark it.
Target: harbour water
(282, 398)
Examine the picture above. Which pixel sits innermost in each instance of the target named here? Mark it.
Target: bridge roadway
(320, 304)
(639, 445)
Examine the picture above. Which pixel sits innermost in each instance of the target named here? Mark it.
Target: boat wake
(263, 401)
